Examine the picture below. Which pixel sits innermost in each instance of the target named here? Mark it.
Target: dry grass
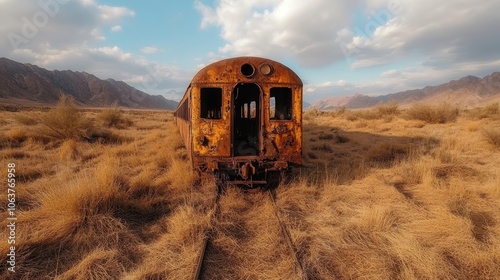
(390, 108)
(25, 119)
(443, 113)
(490, 111)
(381, 196)
(113, 117)
(384, 111)
(492, 135)
(65, 121)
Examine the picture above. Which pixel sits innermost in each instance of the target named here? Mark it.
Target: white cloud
(445, 35)
(116, 28)
(68, 39)
(305, 30)
(325, 89)
(322, 32)
(148, 76)
(63, 24)
(396, 80)
(436, 40)
(88, 2)
(111, 14)
(96, 35)
(149, 50)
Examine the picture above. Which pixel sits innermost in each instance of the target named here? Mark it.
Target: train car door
(246, 99)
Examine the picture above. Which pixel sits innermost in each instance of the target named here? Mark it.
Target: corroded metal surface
(229, 71)
(214, 144)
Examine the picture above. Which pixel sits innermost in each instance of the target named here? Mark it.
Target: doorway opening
(246, 119)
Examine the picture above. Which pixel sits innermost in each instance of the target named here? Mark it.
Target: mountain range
(468, 91)
(30, 84)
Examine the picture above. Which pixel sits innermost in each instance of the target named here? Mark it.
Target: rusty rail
(208, 232)
(288, 238)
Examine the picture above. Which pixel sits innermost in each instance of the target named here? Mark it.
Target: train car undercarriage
(249, 173)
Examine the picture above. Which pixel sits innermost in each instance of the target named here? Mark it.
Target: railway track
(210, 231)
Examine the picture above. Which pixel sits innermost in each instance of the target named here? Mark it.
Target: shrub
(113, 117)
(312, 113)
(492, 136)
(433, 114)
(388, 109)
(65, 121)
(352, 116)
(365, 114)
(381, 111)
(492, 109)
(341, 110)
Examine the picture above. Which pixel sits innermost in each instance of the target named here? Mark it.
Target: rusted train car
(241, 119)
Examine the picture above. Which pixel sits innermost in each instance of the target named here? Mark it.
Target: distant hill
(467, 91)
(33, 84)
(305, 104)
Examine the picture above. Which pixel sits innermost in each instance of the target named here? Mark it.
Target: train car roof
(246, 69)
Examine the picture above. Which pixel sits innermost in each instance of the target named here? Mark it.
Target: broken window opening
(253, 110)
(280, 104)
(211, 103)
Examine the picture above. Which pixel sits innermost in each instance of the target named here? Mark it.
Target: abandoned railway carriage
(241, 119)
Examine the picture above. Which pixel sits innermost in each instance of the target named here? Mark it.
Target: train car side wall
(183, 119)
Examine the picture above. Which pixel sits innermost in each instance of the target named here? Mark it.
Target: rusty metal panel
(211, 137)
(230, 71)
(283, 138)
(185, 131)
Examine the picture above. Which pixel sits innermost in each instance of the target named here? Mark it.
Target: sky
(337, 47)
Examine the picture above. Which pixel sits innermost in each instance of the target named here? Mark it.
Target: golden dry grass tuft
(311, 113)
(390, 108)
(113, 117)
(442, 113)
(65, 121)
(25, 119)
(490, 111)
(492, 135)
(385, 111)
(380, 196)
(69, 150)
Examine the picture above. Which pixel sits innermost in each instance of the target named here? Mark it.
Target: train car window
(253, 110)
(280, 103)
(244, 111)
(184, 113)
(211, 103)
(248, 110)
